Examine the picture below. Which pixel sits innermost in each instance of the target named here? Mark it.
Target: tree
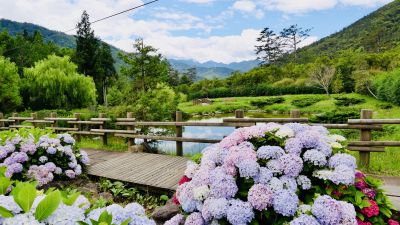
(106, 72)
(191, 73)
(86, 48)
(144, 66)
(55, 83)
(292, 37)
(270, 48)
(322, 76)
(10, 97)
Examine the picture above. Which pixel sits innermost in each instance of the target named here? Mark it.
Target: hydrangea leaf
(24, 194)
(5, 213)
(126, 222)
(69, 200)
(48, 205)
(4, 184)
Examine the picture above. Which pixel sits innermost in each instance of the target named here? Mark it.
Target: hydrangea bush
(277, 174)
(22, 204)
(43, 158)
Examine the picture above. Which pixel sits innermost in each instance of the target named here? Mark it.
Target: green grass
(114, 144)
(326, 104)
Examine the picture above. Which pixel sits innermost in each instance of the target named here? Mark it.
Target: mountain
(211, 69)
(376, 32)
(205, 70)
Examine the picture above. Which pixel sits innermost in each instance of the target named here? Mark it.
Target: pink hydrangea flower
(393, 222)
(372, 210)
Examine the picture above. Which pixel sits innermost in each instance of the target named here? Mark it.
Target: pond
(190, 148)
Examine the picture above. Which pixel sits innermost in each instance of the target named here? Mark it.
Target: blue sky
(202, 30)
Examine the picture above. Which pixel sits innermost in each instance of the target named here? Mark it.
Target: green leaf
(69, 200)
(5, 213)
(82, 223)
(126, 222)
(24, 195)
(48, 205)
(4, 184)
(361, 216)
(365, 203)
(358, 197)
(2, 171)
(385, 211)
(164, 198)
(105, 217)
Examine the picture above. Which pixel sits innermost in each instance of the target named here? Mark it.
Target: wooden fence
(98, 127)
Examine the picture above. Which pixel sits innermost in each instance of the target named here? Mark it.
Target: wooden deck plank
(155, 170)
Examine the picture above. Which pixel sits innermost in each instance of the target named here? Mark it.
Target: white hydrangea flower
(66, 215)
(191, 168)
(338, 138)
(285, 132)
(336, 145)
(201, 193)
(22, 219)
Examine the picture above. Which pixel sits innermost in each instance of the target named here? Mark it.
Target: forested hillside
(376, 32)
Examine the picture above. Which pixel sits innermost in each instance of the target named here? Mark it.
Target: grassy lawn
(327, 104)
(114, 143)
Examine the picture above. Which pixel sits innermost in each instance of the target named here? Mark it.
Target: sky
(201, 30)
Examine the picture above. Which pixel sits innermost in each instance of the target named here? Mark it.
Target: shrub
(339, 115)
(26, 205)
(386, 86)
(348, 101)
(304, 102)
(10, 97)
(54, 83)
(279, 174)
(41, 158)
(260, 103)
(284, 82)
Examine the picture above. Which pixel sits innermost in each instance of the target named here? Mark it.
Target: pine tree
(292, 37)
(105, 73)
(270, 48)
(86, 48)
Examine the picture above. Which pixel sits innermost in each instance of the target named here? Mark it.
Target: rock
(136, 148)
(89, 188)
(106, 196)
(164, 213)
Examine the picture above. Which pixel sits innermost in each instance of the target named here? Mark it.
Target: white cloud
(368, 3)
(199, 1)
(244, 5)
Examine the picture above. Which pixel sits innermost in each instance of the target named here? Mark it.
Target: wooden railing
(98, 127)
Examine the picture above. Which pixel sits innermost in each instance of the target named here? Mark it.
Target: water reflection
(218, 133)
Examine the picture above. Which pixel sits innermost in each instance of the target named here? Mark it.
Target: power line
(116, 14)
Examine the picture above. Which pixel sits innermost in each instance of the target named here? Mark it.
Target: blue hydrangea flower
(285, 202)
(275, 184)
(304, 219)
(288, 183)
(304, 182)
(239, 212)
(342, 159)
(315, 157)
(270, 152)
(194, 219)
(51, 150)
(264, 176)
(293, 146)
(214, 208)
(248, 168)
(329, 211)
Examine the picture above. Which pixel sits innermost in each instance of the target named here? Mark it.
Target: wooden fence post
(34, 117)
(53, 115)
(179, 145)
(77, 135)
(365, 135)
(16, 121)
(1, 122)
(294, 113)
(239, 114)
(103, 126)
(131, 141)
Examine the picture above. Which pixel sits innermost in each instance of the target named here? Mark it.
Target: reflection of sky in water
(190, 148)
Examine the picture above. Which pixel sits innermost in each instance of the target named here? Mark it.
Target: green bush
(10, 97)
(348, 101)
(260, 103)
(54, 83)
(339, 115)
(304, 102)
(387, 87)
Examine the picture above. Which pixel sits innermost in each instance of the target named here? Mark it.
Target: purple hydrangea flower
(70, 173)
(51, 150)
(264, 176)
(13, 169)
(291, 164)
(293, 146)
(329, 211)
(288, 183)
(194, 219)
(304, 182)
(239, 212)
(260, 196)
(176, 220)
